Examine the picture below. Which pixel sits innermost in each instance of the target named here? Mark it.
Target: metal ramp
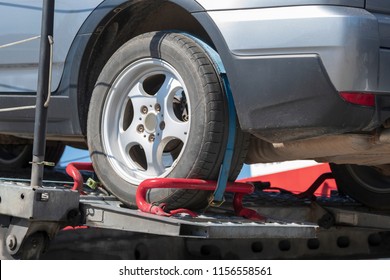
(213, 225)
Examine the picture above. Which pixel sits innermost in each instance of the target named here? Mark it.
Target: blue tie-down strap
(218, 196)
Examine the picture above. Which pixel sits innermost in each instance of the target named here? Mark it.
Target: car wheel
(19, 156)
(366, 184)
(159, 110)
(15, 156)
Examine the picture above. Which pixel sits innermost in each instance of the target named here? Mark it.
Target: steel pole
(43, 89)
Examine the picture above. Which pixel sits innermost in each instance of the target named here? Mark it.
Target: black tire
(149, 61)
(15, 156)
(54, 151)
(19, 155)
(366, 184)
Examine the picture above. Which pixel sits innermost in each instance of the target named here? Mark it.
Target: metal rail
(43, 93)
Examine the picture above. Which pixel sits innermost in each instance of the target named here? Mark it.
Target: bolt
(144, 110)
(151, 137)
(140, 128)
(185, 118)
(162, 125)
(157, 107)
(11, 242)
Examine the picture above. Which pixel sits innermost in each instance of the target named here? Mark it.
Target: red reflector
(364, 99)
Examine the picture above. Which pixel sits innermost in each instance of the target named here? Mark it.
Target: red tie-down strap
(240, 190)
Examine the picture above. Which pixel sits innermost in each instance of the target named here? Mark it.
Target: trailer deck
(332, 227)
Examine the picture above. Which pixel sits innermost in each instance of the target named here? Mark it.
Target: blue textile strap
(218, 196)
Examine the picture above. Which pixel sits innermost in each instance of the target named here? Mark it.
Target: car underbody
(362, 149)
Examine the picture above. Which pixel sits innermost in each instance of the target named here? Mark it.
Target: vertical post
(43, 89)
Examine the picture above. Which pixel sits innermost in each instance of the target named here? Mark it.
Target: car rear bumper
(287, 65)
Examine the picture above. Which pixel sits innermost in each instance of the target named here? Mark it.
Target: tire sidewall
(362, 190)
(21, 160)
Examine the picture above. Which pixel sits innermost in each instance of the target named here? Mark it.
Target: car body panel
(287, 56)
(250, 4)
(381, 6)
(276, 95)
(19, 63)
(344, 38)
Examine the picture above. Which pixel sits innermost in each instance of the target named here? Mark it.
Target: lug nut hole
(140, 128)
(144, 110)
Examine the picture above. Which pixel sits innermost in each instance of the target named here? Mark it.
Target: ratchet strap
(217, 198)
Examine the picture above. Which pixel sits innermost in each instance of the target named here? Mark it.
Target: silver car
(144, 85)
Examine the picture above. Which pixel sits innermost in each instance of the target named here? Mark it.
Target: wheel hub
(151, 123)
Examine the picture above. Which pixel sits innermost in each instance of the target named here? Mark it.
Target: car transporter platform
(263, 223)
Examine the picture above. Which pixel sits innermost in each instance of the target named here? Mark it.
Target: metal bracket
(16, 233)
(215, 203)
(28, 240)
(41, 204)
(45, 163)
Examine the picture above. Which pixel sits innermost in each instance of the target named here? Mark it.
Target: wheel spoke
(131, 137)
(140, 99)
(175, 128)
(153, 149)
(168, 88)
(136, 91)
(153, 152)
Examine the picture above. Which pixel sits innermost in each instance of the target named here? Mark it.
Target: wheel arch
(113, 23)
